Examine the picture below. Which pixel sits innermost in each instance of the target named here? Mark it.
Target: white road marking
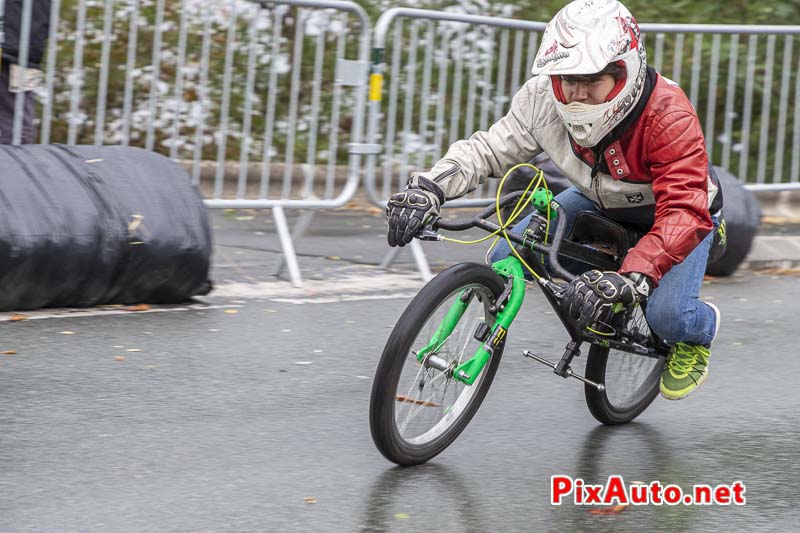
(359, 284)
(100, 311)
(344, 298)
(366, 281)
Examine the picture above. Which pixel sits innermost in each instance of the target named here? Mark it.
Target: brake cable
(537, 180)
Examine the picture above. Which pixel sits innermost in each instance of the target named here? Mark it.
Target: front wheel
(417, 411)
(631, 380)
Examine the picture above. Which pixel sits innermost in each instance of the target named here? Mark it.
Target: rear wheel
(417, 411)
(631, 380)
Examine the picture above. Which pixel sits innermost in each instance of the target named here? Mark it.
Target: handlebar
(479, 221)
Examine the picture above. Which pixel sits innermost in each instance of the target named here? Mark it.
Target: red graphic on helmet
(552, 48)
(632, 29)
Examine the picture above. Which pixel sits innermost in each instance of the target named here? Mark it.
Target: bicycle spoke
(463, 349)
(626, 373)
(415, 406)
(416, 381)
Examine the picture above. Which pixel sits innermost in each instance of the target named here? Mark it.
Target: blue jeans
(674, 310)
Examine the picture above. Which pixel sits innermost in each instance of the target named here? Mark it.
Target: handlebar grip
(452, 225)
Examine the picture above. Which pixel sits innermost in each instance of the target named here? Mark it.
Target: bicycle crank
(567, 372)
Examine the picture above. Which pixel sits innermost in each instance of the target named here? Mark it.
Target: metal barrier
(452, 74)
(750, 142)
(465, 68)
(465, 42)
(258, 99)
(473, 41)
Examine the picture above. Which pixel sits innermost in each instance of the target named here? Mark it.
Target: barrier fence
(450, 74)
(446, 75)
(265, 103)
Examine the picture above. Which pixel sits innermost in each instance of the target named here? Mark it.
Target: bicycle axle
(568, 372)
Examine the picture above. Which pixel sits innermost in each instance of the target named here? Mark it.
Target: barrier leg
(421, 260)
(298, 231)
(288, 246)
(390, 256)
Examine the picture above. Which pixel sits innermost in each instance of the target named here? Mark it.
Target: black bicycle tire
(597, 401)
(387, 374)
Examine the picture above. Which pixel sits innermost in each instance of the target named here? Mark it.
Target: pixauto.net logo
(616, 492)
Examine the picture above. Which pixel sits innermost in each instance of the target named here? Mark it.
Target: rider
(631, 145)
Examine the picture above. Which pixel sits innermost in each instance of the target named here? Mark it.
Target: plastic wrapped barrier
(86, 225)
(742, 218)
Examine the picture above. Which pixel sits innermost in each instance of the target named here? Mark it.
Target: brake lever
(426, 234)
(555, 288)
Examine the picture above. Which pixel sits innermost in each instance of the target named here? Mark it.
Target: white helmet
(584, 38)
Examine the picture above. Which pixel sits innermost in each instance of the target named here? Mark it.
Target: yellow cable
(538, 179)
(534, 184)
(540, 175)
(613, 332)
(518, 208)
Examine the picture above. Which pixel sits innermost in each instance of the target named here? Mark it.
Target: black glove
(407, 211)
(591, 295)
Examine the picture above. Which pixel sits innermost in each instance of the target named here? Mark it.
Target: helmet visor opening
(616, 69)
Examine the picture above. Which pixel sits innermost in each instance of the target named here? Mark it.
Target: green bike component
(469, 370)
(448, 325)
(540, 199)
(509, 268)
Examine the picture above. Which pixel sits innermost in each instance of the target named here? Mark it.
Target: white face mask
(584, 121)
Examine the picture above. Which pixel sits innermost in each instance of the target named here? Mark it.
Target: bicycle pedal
(569, 372)
(528, 354)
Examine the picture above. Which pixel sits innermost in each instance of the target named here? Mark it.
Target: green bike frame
(467, 372)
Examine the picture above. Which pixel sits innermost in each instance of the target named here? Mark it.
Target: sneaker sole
(718, 319)
(675, 398)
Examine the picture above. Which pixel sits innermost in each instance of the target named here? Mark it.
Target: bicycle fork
(493, 337)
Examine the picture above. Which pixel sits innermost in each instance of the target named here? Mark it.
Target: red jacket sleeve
(678, 162)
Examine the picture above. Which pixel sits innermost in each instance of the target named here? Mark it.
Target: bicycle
(426, 391)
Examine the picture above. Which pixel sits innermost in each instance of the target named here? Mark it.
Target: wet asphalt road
(256, 420)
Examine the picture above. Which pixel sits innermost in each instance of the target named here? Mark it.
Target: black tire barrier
(742, 218)
(741, 210)
(85, 225)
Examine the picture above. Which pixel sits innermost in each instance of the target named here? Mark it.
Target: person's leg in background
(7, 106)
(676, 314)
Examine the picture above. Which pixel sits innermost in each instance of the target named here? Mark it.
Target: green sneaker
(687, 367)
